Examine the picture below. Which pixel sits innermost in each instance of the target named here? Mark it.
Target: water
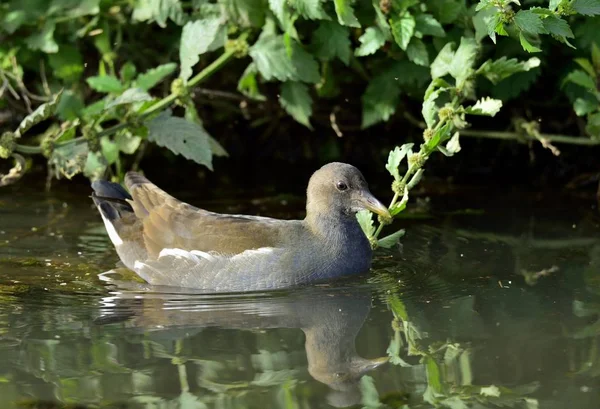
(495, 306)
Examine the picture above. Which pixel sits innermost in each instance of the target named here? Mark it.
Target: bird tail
(111, 199)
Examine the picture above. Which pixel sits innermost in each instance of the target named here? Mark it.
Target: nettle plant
(312, 49)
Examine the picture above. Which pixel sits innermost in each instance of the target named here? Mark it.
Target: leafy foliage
(114, 60)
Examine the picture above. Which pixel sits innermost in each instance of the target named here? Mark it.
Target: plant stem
(161, 105)
(573, 140)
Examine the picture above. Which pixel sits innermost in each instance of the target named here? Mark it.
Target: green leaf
(248, 84)
(372, 40)
(310, 9)
(44, 40)
(403, 28)
(105, 83)
(67, 63)
(502, 68)
(41, 113)
(127, 72)
(581, 78)
(181, 137)
(154, 76)
(529, 22)
(426, 24)
(433, 374)
(246, 13)
(127, 142)
(485, 106)
(447, 11)
(401, 205)
(586, 7)
(554, 4)
(395, 158)
(584, 106)
(441, 65)
(199, 37)
(527, 46)
(331, 40)
(391, 240)
(429, 109)
(380, 99)
(159, 11)
(345, 13)
(558, 27)
(587, 66)
(452, 147)
(596, 56)
(95, 166)
(70, 106)
(110, 150)
(68, 160)
(417, 52)
(593, 125)
(365, 219)
(130, 96)
(297, 102)
(273, 62)
(463, 60)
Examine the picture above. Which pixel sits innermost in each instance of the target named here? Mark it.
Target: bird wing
(169, 223)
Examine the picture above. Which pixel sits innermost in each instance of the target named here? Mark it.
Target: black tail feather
(110, 198)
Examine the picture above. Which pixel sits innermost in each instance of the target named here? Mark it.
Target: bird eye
(341, 186)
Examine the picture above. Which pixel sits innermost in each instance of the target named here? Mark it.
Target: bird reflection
(329, 317)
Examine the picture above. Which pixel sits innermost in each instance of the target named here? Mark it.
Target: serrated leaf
(391, 240)
(245, 13)
(199, 37)
(529, 22)
(586, 7)
(345, 13)
(485, 106)
(130, 96)
(554, 4)
(68, 160)
(558, 27)
(403, 28)
(429, 109)
(105, 84)
(527, 46)
(159, 11)
(372, 40)
(463, 59)
(181, 137)
(441, 65)
(331, 40)
(497, 70)
(365, 219)
(297, 102)
(248, 84)
(417, 52)
(581, 78)
(310, 9)
(426, 24)
(41, 113)
(395, 158)
(273, 62)
(453, 145)
(154, 76)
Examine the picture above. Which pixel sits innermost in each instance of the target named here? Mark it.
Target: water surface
(489, 302)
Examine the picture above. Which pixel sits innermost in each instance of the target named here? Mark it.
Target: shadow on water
(498, 307)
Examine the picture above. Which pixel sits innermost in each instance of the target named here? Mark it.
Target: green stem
(161, 105)
(573, 140)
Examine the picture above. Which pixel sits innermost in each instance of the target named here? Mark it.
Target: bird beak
(368, 201)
